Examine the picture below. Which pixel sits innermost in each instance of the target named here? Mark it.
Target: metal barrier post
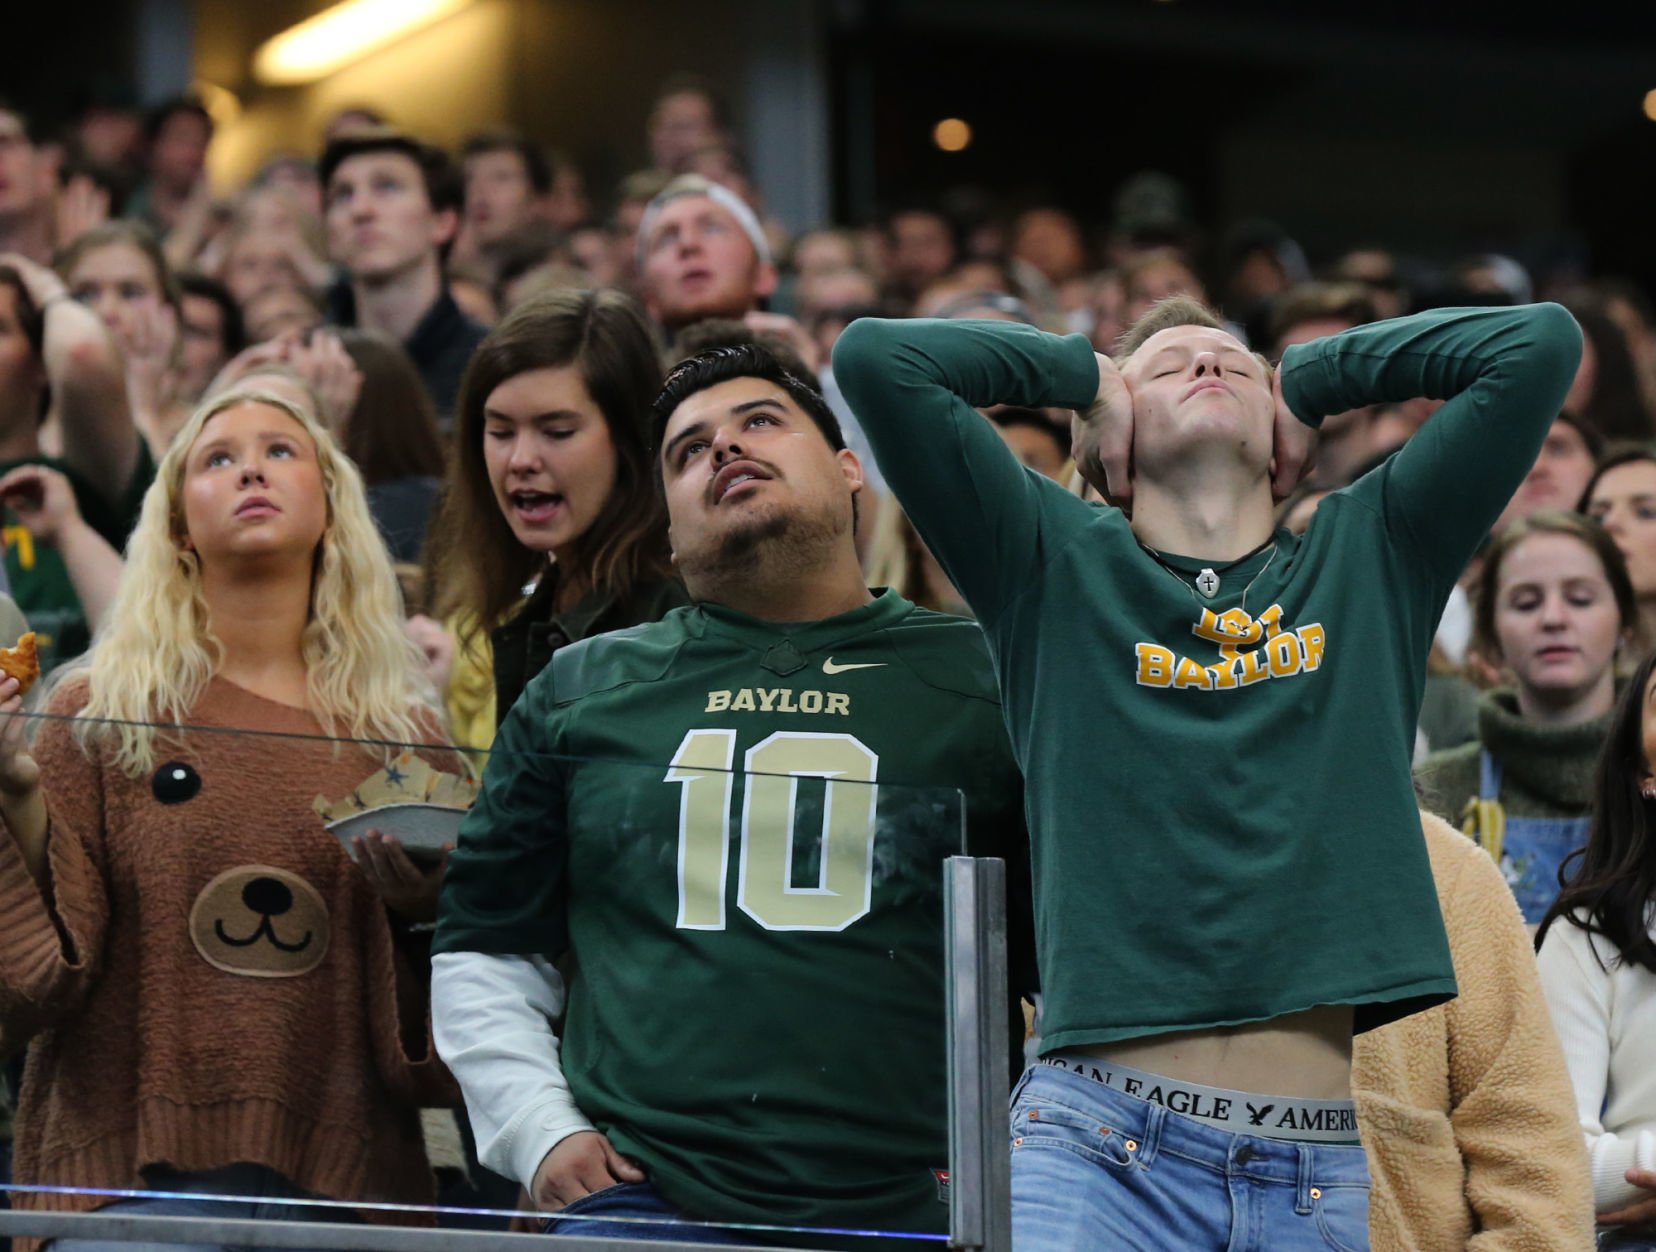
(980, 1162)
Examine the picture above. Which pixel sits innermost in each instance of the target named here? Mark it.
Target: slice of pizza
(21, 662)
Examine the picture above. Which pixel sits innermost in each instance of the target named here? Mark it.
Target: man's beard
(775, 539)
(746, 544)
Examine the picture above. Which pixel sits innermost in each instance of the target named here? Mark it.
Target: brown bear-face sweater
(209, 978)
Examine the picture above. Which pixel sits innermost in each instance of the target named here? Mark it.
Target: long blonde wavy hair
(156, 653)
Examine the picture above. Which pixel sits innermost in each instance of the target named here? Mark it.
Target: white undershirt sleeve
(492, 1021)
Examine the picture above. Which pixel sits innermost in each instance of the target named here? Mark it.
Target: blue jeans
(1093, 1168)
(635, 1199)
(252, 1192)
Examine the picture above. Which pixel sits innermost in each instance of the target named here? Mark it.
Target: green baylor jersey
(733, 832)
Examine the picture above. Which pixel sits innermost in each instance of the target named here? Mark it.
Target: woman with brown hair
(551, 491)
(1621, 497)
(1552, 605)
(1596, 951)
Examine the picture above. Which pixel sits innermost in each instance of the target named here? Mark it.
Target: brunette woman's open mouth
(536, 507)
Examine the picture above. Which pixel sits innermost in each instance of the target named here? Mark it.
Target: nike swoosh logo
(828, 666)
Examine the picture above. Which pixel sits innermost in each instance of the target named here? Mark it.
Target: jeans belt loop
(1302, 1193)
(1155, 1114)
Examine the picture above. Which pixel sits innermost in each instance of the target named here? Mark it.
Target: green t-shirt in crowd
(1218, 793)
(39, 579)
(757, 1008)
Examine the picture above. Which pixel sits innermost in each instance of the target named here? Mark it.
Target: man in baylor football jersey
(752, 1027)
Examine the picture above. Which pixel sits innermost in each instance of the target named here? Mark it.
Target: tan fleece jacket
(1466, 1109)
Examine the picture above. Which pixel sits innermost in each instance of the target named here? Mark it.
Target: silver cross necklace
(1207, 581)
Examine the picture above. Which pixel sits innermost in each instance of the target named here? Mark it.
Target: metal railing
(979, 1164)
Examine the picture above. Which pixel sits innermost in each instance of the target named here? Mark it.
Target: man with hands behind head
(1214, 720)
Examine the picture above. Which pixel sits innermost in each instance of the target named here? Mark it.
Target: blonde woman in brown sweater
(219, 1000)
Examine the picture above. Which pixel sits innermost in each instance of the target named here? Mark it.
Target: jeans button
(1244, 1154)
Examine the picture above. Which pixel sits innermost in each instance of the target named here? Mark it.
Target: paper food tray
(422, 829)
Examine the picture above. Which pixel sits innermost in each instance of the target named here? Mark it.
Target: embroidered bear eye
(175, 782)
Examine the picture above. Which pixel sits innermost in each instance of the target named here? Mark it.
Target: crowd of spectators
(481, 333)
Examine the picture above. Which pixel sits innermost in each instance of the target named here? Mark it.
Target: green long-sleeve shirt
(1218, 797)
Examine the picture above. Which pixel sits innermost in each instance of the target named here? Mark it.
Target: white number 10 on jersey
(703, 766)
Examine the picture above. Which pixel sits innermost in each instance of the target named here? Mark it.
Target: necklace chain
(1179, 577)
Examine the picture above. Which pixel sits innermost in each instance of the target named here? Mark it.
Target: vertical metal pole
(858, 180)
(165, 58)
(789, 121)
(980, 1162)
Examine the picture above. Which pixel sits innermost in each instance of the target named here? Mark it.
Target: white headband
(724, 197)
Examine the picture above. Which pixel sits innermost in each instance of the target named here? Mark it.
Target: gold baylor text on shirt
(1251, 650)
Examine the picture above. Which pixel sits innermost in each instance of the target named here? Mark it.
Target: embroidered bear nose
(267, 896)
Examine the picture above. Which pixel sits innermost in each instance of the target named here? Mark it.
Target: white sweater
(1605, 1016)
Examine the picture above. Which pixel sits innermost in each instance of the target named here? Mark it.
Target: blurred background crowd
(894, 159)
(198, 194)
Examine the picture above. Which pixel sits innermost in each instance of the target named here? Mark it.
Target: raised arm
(44, 501)
(88, 380)
(1504, 374)
(915, 387)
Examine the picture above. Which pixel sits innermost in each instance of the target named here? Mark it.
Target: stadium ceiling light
(952, 135)
(335, 37)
